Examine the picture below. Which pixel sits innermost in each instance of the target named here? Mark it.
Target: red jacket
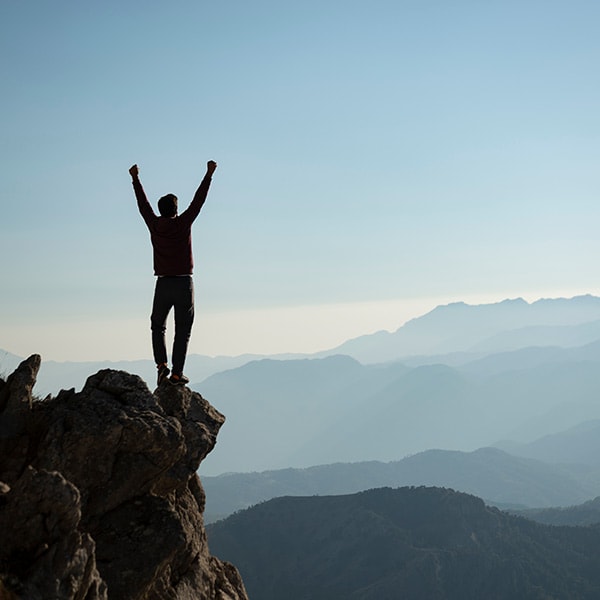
(172, 237)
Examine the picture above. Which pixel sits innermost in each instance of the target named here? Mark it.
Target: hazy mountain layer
(578, 445)
(494, 475)
(452, 334)
(497, 327)
(585, 514)
(471, 396)
(55, 376)
(335, 409)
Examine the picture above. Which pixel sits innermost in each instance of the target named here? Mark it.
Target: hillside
(414, 543)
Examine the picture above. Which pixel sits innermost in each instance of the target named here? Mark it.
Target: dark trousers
(177, 293)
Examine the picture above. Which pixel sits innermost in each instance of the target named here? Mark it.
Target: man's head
(167, 206)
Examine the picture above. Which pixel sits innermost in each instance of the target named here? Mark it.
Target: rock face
(99, 496)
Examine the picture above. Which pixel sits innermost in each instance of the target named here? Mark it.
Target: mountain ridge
(460, 326)
(423, 338)
(500, 478)
(423, 543)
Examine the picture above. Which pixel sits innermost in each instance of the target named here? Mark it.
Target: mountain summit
(99, 496)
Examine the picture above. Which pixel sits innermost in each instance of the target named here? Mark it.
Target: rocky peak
(99, 496)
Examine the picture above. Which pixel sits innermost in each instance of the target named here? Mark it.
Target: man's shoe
(179, 379)
(163, 373)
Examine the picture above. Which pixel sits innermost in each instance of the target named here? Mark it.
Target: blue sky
(375, 159)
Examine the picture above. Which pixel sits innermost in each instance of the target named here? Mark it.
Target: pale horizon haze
(374, 160)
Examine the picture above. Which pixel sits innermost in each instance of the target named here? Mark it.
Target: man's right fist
(133, 171)
(211, 165)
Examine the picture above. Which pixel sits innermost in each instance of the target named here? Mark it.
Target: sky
(374, 160)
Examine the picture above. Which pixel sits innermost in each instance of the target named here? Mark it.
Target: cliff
(99, 496)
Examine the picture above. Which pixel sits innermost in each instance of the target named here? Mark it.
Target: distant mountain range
(485, 328)
(500, 478)
(449, 334)
(458, 378)
(299, 413)
(418, 543)
(583, 515)
(577, 445)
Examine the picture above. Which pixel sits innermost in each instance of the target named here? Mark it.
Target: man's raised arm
(143, 204)
(200, 196)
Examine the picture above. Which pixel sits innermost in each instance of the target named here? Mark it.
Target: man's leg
(161, 306)
(184, 318)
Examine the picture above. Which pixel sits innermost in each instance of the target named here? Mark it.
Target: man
(171, 236)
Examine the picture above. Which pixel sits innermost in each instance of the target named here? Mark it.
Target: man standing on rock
(171, 236)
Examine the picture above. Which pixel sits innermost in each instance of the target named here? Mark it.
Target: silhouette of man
(171, 236)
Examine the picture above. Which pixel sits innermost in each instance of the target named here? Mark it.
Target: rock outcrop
(99, 496)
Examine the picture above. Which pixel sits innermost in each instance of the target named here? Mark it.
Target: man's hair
(167, 205)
